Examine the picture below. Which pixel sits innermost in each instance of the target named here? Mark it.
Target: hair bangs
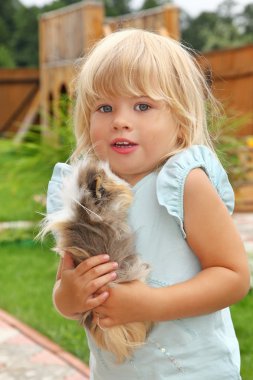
(127, 71)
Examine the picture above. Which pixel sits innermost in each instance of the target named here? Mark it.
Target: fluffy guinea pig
(93, 220)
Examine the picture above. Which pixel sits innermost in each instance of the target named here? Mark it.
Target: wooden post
(65, 35)
(171, 21)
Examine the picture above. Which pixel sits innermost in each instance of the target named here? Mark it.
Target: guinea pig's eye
(92, 188)
(96, 188)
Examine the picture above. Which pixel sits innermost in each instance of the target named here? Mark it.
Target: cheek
(96, 133)
(93, 136)
(98, 143)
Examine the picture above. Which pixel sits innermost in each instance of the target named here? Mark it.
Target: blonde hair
(135, 62)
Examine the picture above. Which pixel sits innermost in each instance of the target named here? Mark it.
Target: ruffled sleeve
(171, 180)
(54, 202)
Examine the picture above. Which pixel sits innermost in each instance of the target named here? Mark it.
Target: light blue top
(200, 348)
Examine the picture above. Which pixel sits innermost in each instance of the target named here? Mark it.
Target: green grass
(27, 275)
(242, 318)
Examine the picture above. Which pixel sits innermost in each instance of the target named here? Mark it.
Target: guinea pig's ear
(96, 187)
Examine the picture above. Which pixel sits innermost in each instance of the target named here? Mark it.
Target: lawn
(27, 275)
(242, 318)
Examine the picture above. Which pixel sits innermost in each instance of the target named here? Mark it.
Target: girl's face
(133, 134)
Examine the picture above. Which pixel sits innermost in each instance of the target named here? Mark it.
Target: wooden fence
(231, 73)
(19, 96)
(232, 81)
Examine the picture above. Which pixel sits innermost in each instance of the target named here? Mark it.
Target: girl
(141, 105)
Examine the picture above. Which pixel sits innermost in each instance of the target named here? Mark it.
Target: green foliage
(21, 167)
(18, 34)
(218, 30)
(227, 144)
(116, 8)
(246, 21)
(153, 3)
(7, 28)
(6, 59)
(24, 41)
(27, 168)
(209, 31)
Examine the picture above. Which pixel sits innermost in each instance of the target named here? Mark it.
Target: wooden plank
(17, 88)
(231, 63)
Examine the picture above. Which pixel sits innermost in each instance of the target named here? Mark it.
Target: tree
(25, 44)
(210, 30)
(7, 29)
(221, 29)
(246, 21)
(112, 7)
(6, 58)
(226, 9)
(116, 8)
(153, 3)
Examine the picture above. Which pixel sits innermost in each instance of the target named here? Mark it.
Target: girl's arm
(212, 236)
(75, 288)
(224, 278)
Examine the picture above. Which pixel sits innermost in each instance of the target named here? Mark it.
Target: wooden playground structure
(65, 36)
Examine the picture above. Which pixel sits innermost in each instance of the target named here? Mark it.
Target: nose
(121, 122)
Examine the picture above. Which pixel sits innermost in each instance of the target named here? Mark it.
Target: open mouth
(123, 146)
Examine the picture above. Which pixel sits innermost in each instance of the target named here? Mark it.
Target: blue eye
(105, 108)
(142, 107)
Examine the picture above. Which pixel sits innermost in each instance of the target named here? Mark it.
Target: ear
(95, 186)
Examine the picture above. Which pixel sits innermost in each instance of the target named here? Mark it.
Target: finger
(99, 282)
(91, 262)
(67, 262)
(98, 270)
(96, 301)
(103, 289)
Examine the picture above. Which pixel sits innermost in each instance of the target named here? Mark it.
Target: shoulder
(200, 196)
(194, 170)
(60, 171)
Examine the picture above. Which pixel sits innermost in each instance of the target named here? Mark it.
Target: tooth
(122, 143)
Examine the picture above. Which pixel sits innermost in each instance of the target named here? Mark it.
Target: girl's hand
(76, 290)
(127, 302)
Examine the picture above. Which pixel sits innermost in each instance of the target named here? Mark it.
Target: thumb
(67, 262)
